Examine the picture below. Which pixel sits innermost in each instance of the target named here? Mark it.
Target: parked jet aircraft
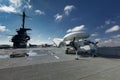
(83, 46)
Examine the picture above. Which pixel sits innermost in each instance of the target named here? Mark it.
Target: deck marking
(53, 54)
(56, 57)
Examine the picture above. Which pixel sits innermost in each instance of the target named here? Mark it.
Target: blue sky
(55, 18)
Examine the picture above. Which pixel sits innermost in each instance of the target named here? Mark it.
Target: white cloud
(97, 39)
(9, 37)
(15, 3)
(100, 27)
(108, 22)
(109, 42)
(95, 34)
(15, 6)
(39, 42)
(116, 36)
(106, 42)
(68, 9)
(3, 28)
(113, 29)
(58, 17)
(7, 9)
(39, 12)
(27, 4)
(77, 28)
(49, 38)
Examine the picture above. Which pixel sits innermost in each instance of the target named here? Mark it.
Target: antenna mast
(23, 19)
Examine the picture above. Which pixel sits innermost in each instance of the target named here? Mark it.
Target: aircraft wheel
(66, 51)
(94, 55)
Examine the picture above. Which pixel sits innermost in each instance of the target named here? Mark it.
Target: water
(31, 53)
(4, 56)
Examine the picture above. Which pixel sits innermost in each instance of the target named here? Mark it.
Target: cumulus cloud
(27, 4)
(109, 21)
(49, 38)
(9, 37)
(3, 28)
(68, 9)
(14, 6)
(77, 28)
(97, 39)
(109, 42)
(39, 12)
(116, 36)
(94, 34)
(15, 3)
(66, 12)
(113, 29)
(7, 9)
(58, 17)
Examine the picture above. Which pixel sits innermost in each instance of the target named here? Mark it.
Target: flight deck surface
(53, 64)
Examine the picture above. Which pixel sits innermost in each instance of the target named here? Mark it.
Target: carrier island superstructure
(21, 38)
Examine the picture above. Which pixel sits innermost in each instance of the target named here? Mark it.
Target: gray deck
(56, 65)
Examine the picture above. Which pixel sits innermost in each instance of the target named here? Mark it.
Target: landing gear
(94, 55)
(76, 58)
(66, 51)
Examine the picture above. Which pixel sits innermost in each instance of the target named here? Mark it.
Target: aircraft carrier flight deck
(54, 64)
